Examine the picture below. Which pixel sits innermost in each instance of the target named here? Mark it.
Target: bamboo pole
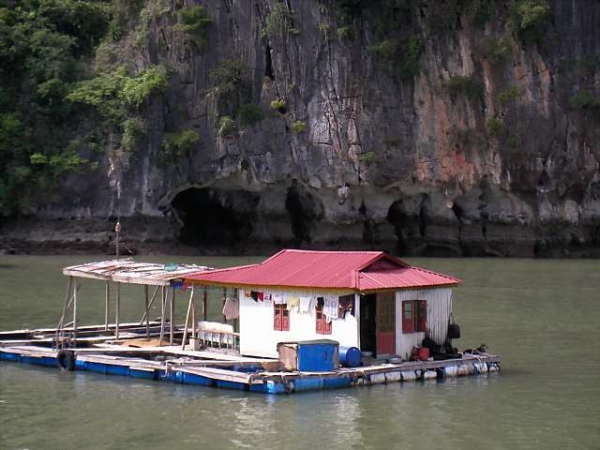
(236, 324)
(224, 300)
(187, 319)
(106, 305)
(205, 305)
(194, 334)
(147, 315)
(162, 316)
(61, 321)
(146, 301)
(172, 316)
(75, 315)
(117, 311)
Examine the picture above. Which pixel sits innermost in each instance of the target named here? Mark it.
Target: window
(322, 326)
(414, 316)
(346, 304)
(281, 321)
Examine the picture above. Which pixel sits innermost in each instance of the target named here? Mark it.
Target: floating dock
(224, 369)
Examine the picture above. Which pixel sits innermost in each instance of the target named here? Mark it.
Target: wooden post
(117, 311)
(224, 300)
(187, 319)
(147, 305)
(61, 321)
(75, 316)
(172, 316)
(106, 305)
(193, 314)
(205, 305)
(147, 315)
(162, 316)
(236, 323)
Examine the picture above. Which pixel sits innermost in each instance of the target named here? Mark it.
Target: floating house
(290, 324)
(369, 300)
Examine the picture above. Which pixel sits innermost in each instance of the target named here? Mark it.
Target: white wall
(258, 338)
(439, 307)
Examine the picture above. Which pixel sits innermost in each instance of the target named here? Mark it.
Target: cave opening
(304, 210)
(213, 217)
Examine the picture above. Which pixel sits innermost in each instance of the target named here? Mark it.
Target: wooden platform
(211, 368)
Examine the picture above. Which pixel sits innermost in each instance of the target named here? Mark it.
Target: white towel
(305, 303)
(330, 308)
(231, 308)
(278, 299)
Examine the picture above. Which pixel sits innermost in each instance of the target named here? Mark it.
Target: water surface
(541, 316)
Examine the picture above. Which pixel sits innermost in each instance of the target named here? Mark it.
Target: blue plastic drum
(349, 356)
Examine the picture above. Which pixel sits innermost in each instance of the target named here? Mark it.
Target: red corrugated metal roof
(358, 271)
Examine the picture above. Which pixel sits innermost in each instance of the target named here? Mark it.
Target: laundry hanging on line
(231, 308)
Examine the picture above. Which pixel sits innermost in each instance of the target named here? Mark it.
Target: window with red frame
(322, 326)
(281, 320)
(414, 316)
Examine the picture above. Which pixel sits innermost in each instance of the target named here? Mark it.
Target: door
(386, 324)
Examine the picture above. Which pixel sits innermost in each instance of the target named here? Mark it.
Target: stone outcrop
(471, 154)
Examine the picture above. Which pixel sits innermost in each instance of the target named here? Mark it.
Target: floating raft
(217, 369)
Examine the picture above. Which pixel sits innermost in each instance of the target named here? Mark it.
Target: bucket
(423, 353)
(350, 356)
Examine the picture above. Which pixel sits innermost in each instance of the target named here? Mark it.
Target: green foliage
(227, 77)
(250, 114)
(345, 32)
(278, 105)
(102, 92)
(584, 100)
(367, 157)
(132, 132)
(446, 16)
(139, 89)
(394, 57)
(348, 10)
(459, 86)
(385, 50)
(111, 92)
(508, 95)
(412, 56)
(194, 21)
(180, 144)
(278, 23)
(59, 164)
(42, 47)
(493, 126)
(495, 50)
(226, 126)
(529, 19)
(299, 126)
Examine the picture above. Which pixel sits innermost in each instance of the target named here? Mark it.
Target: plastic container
(350, 356)
(423, 353)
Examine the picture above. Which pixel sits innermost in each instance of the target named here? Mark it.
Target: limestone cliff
(420, 127)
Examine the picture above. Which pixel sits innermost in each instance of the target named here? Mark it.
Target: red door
(386, 324)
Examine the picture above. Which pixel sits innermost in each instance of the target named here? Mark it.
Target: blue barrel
(349, 356)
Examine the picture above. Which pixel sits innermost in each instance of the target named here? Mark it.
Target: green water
(541, 316)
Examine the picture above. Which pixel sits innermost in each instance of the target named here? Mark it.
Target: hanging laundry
(231, 308)
(254, 295)
(305, 302)
(247, 294)
(267, 297)
(261, 296)
(278, 299)
(330, 308)
(292, 302)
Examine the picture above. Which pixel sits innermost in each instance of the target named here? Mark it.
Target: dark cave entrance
(304, 210)
(214, 217)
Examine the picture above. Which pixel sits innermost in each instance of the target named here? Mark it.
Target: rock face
(416, 128)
